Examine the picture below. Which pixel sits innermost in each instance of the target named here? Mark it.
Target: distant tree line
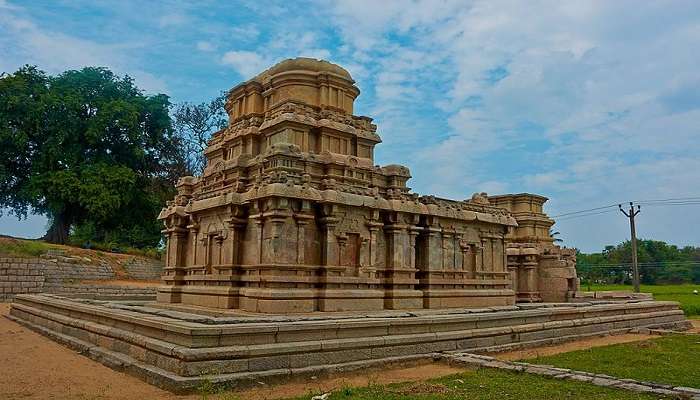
(659, 263)
(93, 153)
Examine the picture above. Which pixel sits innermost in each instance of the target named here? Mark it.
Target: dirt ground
(571, 346)
(37, 368)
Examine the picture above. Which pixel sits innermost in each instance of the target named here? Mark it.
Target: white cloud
(595, 108)
(245, 32)
(246, 63)
(24, 42)
(544, 179)
(281, 45)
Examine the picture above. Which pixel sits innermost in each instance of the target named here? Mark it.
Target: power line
(584, 215)
(696, 265)
(656, 202)
(687, 203)
(583, 211)
(582, 267)
(650, 263)
(672, 199)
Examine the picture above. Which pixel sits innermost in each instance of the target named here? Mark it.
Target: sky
(589, 103)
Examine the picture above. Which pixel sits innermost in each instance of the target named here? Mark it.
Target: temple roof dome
(304, 64)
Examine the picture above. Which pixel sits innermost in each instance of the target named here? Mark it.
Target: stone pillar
(194, 235)
(373, 226)
(219, 240)
(236, 226)
(342, 241)
(513, 265)
(487, 254)
(530, 266)
(433, 249)
(467, 265)
(273, 249)
(330, 244)
(447, 250)
(396, 234)
(412, 234)
(177, 242)
(302, 221)
(254, 242)
(175, 263)
(400, 273)
(479, 267)
(364, 255)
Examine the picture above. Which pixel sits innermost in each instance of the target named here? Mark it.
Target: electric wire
(677, 201)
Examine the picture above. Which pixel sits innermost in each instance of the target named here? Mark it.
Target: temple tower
(291, 213)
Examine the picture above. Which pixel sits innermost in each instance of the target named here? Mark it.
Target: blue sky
(589, 103)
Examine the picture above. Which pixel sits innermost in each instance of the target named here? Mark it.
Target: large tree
(194, 124)
(85, 147)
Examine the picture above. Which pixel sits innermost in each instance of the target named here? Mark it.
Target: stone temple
(294, 255)
(293, 215)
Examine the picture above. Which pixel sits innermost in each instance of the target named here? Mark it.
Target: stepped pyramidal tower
(291, 215)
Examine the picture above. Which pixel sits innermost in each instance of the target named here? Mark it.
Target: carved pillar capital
(303, 219)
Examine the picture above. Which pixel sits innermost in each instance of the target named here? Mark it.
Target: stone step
(190, 349)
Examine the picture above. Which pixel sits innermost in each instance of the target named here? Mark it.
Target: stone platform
(178, 348)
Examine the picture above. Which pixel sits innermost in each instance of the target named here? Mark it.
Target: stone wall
(144, 270)
(61, 271)
(20, 275)
(60, 274)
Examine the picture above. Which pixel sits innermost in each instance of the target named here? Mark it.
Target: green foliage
(89, 150)
(659, 262)
(671, 360)
(487, 384)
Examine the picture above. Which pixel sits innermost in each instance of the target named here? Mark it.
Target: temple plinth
(292, 215)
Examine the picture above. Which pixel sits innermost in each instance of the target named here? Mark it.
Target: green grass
(670, 359)
(485, 384)
(690, 303)
(13, 247)
(22, 248)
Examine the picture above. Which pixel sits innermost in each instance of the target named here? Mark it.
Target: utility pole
(635, 270)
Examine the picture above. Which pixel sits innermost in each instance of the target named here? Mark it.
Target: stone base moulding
(179, 348)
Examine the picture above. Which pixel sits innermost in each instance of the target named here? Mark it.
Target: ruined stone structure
(292, 215)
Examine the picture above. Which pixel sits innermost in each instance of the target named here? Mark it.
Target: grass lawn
(672, 360)
(485, 384)
(690, 303)
(10, 247)
(14, 247)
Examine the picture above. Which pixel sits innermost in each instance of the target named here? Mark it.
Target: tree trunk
(59, 229)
